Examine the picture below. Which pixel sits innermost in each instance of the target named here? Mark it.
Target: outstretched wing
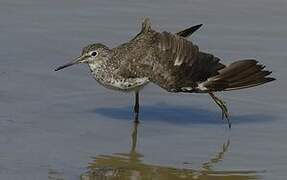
(168, 60)
(177, 65)
(180, 66)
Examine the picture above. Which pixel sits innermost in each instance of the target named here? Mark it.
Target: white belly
(114, 81)
(131, 84)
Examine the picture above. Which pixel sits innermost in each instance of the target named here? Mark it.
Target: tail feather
(263, 81)
(252, 78)
(247, 73)
(238, 75)
(235, 69)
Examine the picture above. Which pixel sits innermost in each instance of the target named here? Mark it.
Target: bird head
(90, 54)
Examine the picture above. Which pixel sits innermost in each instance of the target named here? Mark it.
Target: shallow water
(65, 126)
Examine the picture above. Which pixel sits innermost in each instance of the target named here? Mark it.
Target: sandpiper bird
(170, 61)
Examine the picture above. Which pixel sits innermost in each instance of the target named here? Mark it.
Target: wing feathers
(189, 31)
(174, 63)
(183, 51)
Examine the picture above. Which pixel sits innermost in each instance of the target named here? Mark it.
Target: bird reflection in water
(130, 166)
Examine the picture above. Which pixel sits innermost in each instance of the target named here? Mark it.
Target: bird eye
(94, 53)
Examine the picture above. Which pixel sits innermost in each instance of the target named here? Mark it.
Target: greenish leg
(222, 106)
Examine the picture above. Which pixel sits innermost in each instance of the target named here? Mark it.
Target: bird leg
(222, 106)
(134, 137)
(136, 107)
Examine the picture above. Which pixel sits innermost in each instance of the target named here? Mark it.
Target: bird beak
(76, 61)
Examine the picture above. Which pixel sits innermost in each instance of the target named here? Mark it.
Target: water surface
(63, 125)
